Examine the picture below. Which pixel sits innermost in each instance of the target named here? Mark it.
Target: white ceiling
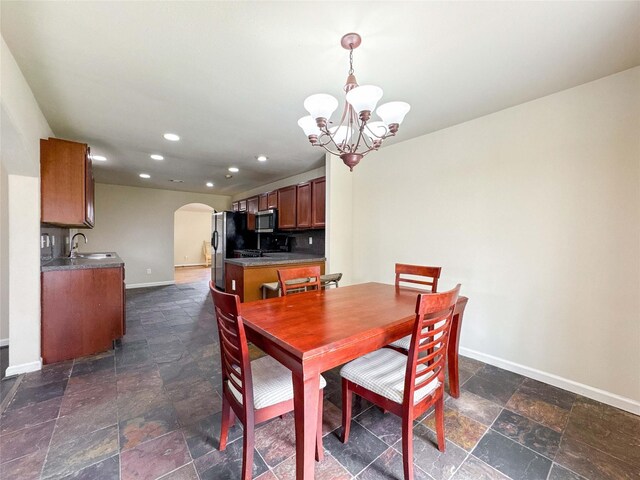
(230, 77)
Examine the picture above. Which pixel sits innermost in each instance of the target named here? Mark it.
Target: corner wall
(190, 230)
(536, 211)
(137, 223)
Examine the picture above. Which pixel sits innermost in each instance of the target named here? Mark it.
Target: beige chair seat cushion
(272, 383)
(383, 372)
(404, 343)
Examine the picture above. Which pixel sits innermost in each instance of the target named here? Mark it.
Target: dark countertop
(275, 259)
(66, 263)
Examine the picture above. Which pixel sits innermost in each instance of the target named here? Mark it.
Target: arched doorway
(192, 243)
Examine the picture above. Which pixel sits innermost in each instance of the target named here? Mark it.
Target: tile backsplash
(58, 242)
(300, 242)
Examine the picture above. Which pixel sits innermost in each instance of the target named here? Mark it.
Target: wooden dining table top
(315, 322)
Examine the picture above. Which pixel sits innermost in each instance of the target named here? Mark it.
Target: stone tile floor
(151, 409)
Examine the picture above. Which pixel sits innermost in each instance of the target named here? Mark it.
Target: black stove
(254, 252)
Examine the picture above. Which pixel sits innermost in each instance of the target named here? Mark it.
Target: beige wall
(4, 256)
(536, 211)
(137, 223)
(190, 230)
(302, 177)
(22, 125)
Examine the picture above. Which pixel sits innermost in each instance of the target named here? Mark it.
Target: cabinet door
(303, 205)
(318, 202)
(235, 207)
(64, 183)
(242, 205)
(252, 209)
(263, 202)
(272, 199)
(287, 207)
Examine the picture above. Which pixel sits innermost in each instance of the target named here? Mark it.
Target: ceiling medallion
(355, 135)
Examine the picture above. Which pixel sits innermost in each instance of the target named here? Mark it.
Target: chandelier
(355, 136)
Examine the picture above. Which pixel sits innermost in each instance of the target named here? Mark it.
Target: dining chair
(406, 274)
(406, 385)
(299, 279)
(255, 391)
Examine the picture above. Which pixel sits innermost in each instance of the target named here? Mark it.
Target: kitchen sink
(95, 256)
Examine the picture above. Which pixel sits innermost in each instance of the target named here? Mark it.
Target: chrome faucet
(74, 246)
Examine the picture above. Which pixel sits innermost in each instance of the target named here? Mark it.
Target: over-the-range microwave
(266, 221)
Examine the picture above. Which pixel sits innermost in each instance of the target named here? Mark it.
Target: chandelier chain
(351, 59)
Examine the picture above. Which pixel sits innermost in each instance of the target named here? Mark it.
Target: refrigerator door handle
(215, 241)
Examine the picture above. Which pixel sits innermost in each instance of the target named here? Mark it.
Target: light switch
(310, 240)
(233, 285)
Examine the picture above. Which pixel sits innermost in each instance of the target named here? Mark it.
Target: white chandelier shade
(309, 126)
(321, 105)
(393, 112)
(364, 98)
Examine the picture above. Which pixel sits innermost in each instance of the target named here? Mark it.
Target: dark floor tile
(474, 469)
(331, 417)
(155, 458)
(85, 381)
(561, 473)
(606, 428)
(56, 372)
(27, 395)
(135, 404)
(81, 452)
(89, 418)
(550, 394)
(93, 365)
(460, 429)
(386, 426)
(499, 375)
(27, 467)
(469, 363)
(593, 463)
(227, 465)
(359, 404)
(276, 440)
(151, 424)
(193, 409)
(204, 436)
(389, 466)
(134, 380)
(427, 457)
(108, 469)
(191, 387)
(511, 458)
(328, 469)
(528, 433)
(26, 441)
(475, 406)
(498, 393)
(187, 472)
(30, 415)
(362, 448)
(539, 410)
(6, 388)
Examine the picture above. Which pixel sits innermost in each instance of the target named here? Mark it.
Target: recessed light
(175, 180)
(228, 175)
(99, 158)
(145, 175)
(155, 156)
(209, 184)
(172, 137)
(234, 169)
(261, 158)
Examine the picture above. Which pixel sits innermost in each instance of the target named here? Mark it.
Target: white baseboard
(594, 393)
(191, 265)
(150, 284)
(4, 342)
(23, 368)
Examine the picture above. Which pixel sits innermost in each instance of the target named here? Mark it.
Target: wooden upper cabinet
(235, 207)
(287, 207)
(263, 201)
(252, 209)
(318, 202)
(303, 212)
(242, 205)
(66, 184)
(272, 199)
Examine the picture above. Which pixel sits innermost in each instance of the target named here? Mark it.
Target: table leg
(454, 342)
(305, 399)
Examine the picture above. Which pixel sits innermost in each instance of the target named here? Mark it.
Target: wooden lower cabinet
(249, 279)
(83, 312)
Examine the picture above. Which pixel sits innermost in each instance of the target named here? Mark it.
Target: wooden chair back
(432, 273)
(234, 351)
(295, 280)
(428, 351)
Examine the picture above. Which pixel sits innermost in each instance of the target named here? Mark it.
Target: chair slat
(299, 279)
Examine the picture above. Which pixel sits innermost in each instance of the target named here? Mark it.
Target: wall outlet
(43, 241)
(148, 271)
(53, 241)
(186, 257)
(310, 240)
(233, 285)
(66, 240)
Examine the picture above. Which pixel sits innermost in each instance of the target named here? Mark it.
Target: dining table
(315, 331)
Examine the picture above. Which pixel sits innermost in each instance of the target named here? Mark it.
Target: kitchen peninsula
(245, 276)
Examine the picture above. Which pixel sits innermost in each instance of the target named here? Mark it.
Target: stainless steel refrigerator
(229, 233)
